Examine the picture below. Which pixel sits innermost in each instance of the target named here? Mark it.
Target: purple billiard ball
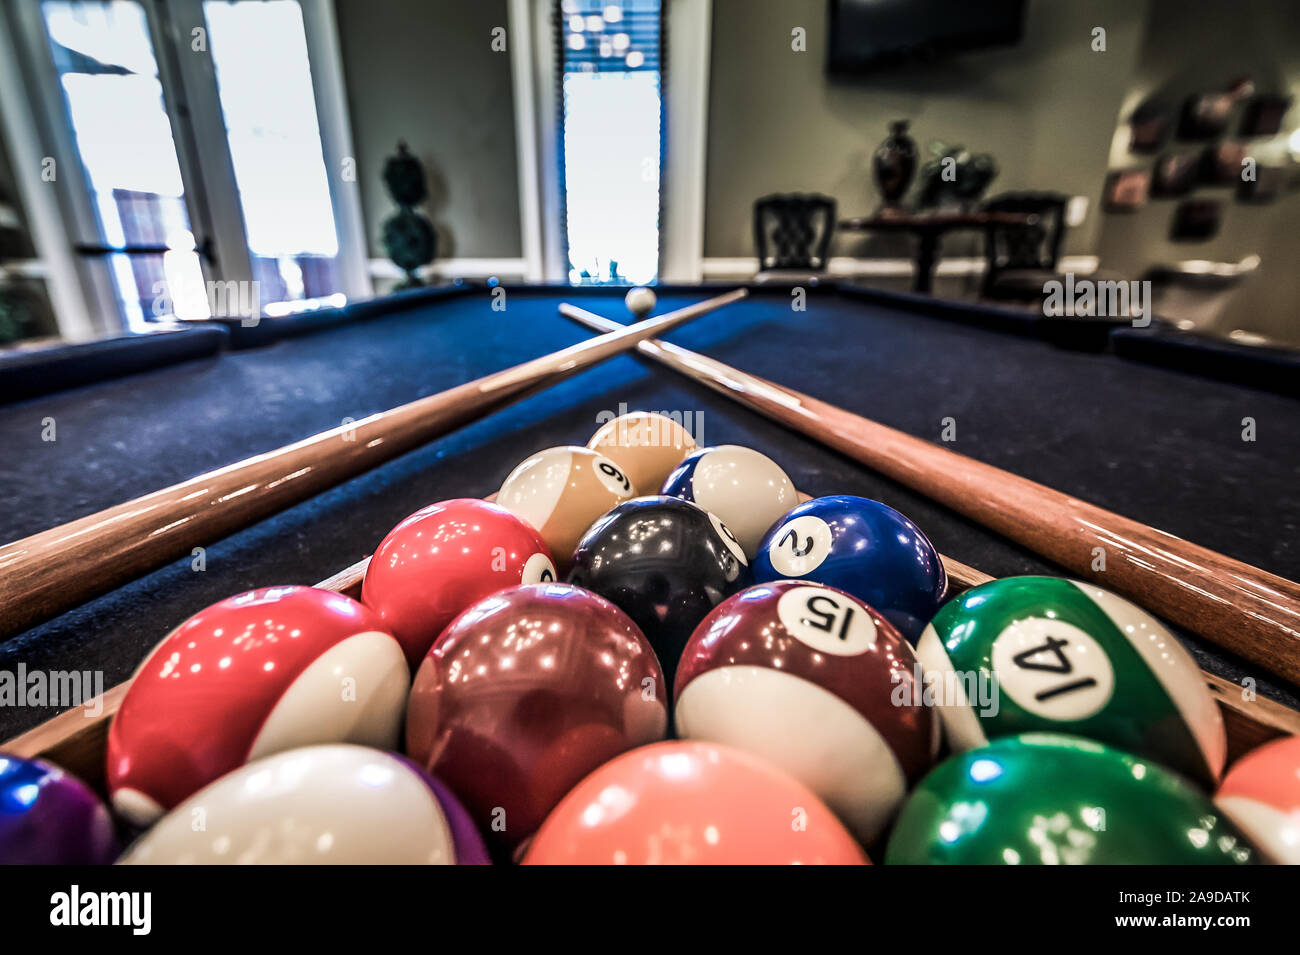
(50, 818)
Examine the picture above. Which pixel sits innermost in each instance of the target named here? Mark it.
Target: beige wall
(1193, 46)
(1045, 109)
(424, 71)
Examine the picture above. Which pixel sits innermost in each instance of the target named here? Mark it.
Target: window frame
(193, 108)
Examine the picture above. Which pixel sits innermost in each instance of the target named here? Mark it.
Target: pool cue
(49, 572)
(1234, 605)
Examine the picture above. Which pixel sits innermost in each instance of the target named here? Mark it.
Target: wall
(1045, 109)
(425, 72)
(1195, 46)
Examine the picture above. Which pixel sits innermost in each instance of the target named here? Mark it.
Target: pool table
(1156, 436)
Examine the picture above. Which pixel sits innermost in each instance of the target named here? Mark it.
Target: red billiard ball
(249, 676)
(820, 685)
(443, 558)
(527, 692)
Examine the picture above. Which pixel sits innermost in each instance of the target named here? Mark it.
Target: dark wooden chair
(792, 233)
(1022, 258)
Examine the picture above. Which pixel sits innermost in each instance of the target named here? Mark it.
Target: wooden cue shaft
(1230, 603)
(46, 573)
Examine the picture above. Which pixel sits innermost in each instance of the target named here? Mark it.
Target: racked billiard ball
(441, 559)
(746, 489)
(48, 817)
(252, 675)
(332, 804)
(819, 685)
(1261, 794)
(1043, 653)
(684, 802)
(666, 563)
(524, 694)
(645, 446)
(1047, 798)
(864, 548)
(560, 492)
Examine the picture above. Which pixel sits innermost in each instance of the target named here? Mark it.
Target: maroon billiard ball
(441, 559)
(820, 685)
(527, 692)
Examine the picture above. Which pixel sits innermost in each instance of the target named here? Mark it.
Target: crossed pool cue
(1234, 605)
(54, 570)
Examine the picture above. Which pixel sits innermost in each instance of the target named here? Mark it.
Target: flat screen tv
(867, 35)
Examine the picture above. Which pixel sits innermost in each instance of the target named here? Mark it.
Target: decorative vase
(894, 163)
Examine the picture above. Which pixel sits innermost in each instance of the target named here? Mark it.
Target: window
(208, 139)
(106, 67)
(611, 144)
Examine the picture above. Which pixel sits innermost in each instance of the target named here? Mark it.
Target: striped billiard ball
(1261, 794)
(818, 684)
(1025, 654)
(747, 490)
(252, 675)
(561, 492)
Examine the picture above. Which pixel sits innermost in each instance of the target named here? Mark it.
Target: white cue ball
(640, 301)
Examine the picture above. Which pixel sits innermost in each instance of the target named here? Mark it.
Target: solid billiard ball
(1043, 653)
(1047, 798)
(50, 818)
(251, 675)
(561, 491)
(819, 685)
(640, 301)
(864, 548)
(324, 805)
(747, 490)
(645, 446)
(524, 694)
(1261, 794)
(441, 559)
(666, 562)
(691, 803)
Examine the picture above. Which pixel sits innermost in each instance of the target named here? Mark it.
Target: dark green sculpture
(408, 237)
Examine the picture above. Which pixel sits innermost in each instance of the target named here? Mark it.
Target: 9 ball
(864, 548)
(561, 491)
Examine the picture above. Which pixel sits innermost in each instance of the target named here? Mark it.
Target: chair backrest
(793, 231)
(1036, 246)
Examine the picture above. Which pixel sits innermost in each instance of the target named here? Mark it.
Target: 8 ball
(666, 563)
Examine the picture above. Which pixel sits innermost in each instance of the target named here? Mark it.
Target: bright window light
(612, 150)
